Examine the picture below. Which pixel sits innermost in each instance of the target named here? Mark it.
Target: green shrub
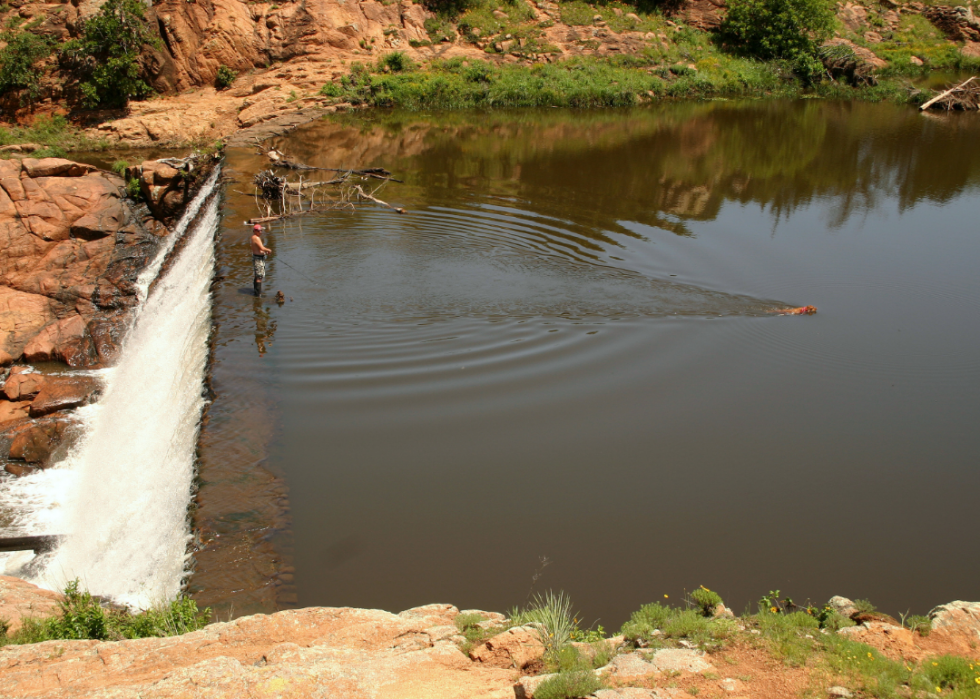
(568, 685)
(706, 600)
(863, 606)
(225, 77)
(18, 63)
(119, 167)
(82, 617)
(778, 29)
(133, 189)
(397, 62)
(647, 619)
(920, 624)
(107, 56)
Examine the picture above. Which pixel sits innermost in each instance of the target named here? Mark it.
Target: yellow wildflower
(869, 655)
(665, 596)
(772, 609)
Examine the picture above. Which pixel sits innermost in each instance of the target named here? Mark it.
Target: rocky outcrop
(957, 23)
(74, 244)
(316, 652)
(20, 599)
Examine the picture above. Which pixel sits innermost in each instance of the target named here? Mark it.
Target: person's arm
(266, 250)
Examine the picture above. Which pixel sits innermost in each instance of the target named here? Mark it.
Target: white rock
(839, 692)
(680, 660)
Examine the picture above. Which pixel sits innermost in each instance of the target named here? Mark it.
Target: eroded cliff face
(204, 35)
(73, 247)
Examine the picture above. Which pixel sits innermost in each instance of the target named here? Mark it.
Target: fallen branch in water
(378, 201)
(279, 159)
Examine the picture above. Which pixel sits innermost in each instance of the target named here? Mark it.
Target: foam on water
(120, 499)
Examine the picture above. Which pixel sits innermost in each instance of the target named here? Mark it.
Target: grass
(655, 623)
(83, 617)
(470, 628)
(577, 82)
(55, 133)
(551, 614)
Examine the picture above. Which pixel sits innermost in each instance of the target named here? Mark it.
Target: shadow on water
(522, 365)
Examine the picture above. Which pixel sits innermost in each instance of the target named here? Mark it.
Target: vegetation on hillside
(106, 58)
(83, 617)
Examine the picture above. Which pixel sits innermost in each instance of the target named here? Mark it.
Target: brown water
(563, 350)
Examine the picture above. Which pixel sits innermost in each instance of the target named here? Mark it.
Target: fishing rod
(309, 279)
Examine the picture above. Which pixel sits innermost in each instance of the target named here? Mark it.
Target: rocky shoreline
(424, 653)
(75, 244)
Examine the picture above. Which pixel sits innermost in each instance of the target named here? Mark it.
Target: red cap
(257, 227)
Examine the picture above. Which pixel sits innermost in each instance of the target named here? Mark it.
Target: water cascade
(120, 499)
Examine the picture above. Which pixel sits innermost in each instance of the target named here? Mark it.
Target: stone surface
(839, 692)
(842, 606)
(858, 65)
(515, 648)
(680, 660)
(630, 666)
(22, 386)
(56, 274)
(316, 652)
(38, 441)
(63, 393)
(13, 412)
(527, 686)
(957, 617)
(20, 599)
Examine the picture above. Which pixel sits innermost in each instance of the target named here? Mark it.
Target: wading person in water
(259, 252)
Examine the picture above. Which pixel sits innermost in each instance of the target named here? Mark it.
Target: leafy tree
(107, 56)
(779, 29)
(19, 63)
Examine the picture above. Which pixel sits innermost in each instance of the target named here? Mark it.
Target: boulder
(64, 393)
(855, 63)
(842, 606)
(13, 412)
(680, 660)
(22, 386)
(957, 617)
(20, 599)
(36, 442)
(515, 648)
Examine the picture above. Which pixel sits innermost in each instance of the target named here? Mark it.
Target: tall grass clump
(83, 617)
(55, 133)
(551, 615)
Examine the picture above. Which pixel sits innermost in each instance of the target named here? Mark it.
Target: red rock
(12, 412)
(514, 648)
(5, 358)
(63, 393)
(38, 441)
(55, 167)
(20, 386)
(20, 599)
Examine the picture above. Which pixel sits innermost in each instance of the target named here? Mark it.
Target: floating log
(38, 544)
(958, 97)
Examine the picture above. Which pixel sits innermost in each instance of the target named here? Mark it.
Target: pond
(560, 370)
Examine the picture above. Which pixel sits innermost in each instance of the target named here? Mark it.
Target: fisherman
(259, 253)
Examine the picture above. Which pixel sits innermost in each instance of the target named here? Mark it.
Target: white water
(121, 498)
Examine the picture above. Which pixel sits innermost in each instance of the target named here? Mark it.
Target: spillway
(121, 498)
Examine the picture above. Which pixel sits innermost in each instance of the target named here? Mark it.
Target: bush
(18, 63)
(107, 56)
(225, 77)
(82, 617)
(568, 685)
(552, 615)
(119, 167)
(397, 62)
(783, 29)
(705, 600)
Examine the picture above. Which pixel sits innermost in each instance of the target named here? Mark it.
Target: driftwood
(959, 97)
(277, 198)
(378, 201)
(279, 159)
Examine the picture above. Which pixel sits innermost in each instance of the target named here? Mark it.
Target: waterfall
(121, 498)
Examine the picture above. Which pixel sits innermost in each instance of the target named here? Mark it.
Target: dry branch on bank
(279, 159)
(964, 96)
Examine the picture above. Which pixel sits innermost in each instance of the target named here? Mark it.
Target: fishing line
(309, 279)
